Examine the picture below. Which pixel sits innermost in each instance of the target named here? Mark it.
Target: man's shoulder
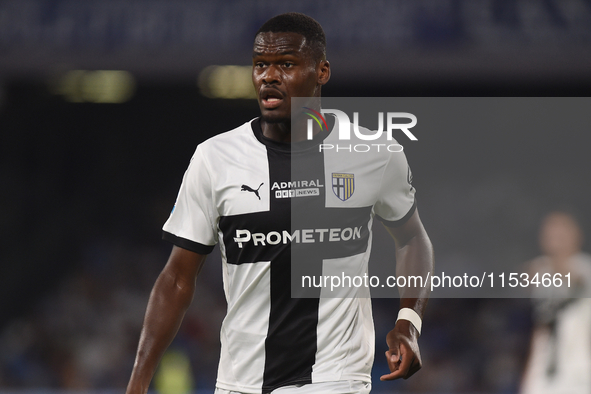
(363, 150)
(240, 134)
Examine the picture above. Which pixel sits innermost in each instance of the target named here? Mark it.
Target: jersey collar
(286, 146)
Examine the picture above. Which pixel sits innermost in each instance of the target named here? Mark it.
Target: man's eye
(288, 64)
(259, 64)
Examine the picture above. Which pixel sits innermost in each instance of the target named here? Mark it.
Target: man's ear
(323, 72)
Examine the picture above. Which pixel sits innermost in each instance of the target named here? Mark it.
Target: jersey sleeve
(396, 202)
(193, 220)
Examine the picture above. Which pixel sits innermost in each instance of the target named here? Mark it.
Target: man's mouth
(271, 100)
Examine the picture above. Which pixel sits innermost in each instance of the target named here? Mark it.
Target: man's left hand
(403, 356)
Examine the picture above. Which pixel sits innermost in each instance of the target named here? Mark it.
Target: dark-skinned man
(233, 195)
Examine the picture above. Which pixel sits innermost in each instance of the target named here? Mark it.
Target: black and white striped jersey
(266, 203)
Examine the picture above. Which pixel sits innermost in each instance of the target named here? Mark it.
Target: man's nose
(271, 75)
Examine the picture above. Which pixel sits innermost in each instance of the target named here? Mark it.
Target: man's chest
(288, 185)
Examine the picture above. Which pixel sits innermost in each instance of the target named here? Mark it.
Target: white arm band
(411, 316)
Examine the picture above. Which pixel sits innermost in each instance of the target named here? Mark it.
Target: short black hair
(295, 22)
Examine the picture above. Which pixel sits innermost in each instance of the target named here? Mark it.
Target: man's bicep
(410, 229)
(184, 264)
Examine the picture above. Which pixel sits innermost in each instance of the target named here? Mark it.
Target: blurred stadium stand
(87, 186)
(462, 40)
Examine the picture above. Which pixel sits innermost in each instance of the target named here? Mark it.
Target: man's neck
(280, 132)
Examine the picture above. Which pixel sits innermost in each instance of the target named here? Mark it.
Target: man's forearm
(415, 259)
(168, 303)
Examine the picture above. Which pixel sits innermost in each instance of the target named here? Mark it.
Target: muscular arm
(171, 296)
(414, 256)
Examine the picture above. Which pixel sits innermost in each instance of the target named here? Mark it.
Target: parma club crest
(343, 185)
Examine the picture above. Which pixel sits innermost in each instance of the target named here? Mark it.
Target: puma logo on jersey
(246, 188)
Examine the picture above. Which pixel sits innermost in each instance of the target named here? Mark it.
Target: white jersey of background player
(559, 361)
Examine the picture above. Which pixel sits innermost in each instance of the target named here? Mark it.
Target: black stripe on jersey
(187, 243)
(291, 344)
(257, 222)
(401, 221)
(279, 220)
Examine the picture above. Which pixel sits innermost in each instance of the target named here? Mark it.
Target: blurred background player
(560, 355)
